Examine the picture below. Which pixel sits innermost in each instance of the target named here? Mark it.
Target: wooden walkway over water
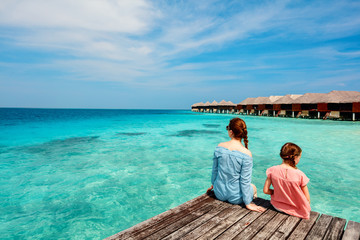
(207, 218)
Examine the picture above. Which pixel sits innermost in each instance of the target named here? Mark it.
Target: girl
(290, 193)
(232, 168)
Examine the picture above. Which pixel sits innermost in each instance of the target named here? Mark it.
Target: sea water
(88, 174)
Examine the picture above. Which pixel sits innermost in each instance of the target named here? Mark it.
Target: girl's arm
(306, 192)
(267, 185)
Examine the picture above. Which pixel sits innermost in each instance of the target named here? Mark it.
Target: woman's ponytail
(245, 137)
(238, 126)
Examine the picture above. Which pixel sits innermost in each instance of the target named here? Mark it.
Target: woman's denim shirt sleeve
(214, 169)
(245, 176)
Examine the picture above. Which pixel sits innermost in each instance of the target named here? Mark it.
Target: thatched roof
(222, 103)
(214, 103)
(287, 99)
(200, 104)
(274, 98)
(340, 97)
(248, 101)
(230, 103)
(308, 98)
(261, 100)
(225, 103)
(266, 100)
(207, 104)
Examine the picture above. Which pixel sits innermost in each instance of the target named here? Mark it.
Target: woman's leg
(255, 191)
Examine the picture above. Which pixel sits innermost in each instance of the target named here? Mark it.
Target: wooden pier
(207, 218)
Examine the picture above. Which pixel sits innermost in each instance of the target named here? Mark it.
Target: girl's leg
(255, 191)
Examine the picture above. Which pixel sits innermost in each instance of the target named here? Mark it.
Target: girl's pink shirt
(288, 196)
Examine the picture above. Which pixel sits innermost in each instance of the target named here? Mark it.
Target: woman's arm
(245, 185)
(306, 192)
(214, 169)
(267, 185)
(245, 181)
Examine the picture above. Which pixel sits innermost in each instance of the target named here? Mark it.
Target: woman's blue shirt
(231, 176)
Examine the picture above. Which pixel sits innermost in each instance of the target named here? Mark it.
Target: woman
(232, 168)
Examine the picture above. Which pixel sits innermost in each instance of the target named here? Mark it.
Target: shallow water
(88, 174)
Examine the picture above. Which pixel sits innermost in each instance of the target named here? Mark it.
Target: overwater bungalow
(226, 107)
(246, 106)
(214, 107)
(283, 106)
(344, 105)
(197, 106)
(261, 106)
(339, 105)
(306, 105)
(206, 107)
(265, 105)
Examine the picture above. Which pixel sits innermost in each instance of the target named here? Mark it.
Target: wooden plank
(245, 221)
(194, 224)
(204, 228)
(239, 226)
(319, 229)
(172, 227)
(205, 217)
(250, 231)
(161, 224)
(268, 230)
(352, 231)
(224, 223)
(286, 228)
(177, 221)
(304, 227)
(336, 229)
(202, 199)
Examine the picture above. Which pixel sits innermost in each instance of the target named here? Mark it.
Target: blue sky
(171, 54)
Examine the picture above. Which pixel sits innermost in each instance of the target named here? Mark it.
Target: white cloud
(86, 29)
(127, 16)
(135, 41)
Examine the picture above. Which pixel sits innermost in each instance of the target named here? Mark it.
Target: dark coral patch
(192, 133)
(131, 134)
(62, 145)
(211, 125)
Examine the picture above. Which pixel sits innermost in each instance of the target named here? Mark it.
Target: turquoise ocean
(88, 174)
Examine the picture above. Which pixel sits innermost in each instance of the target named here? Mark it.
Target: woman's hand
(254, 207)
(209, 189)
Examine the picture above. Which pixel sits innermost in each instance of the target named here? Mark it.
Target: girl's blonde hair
(288, 153)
